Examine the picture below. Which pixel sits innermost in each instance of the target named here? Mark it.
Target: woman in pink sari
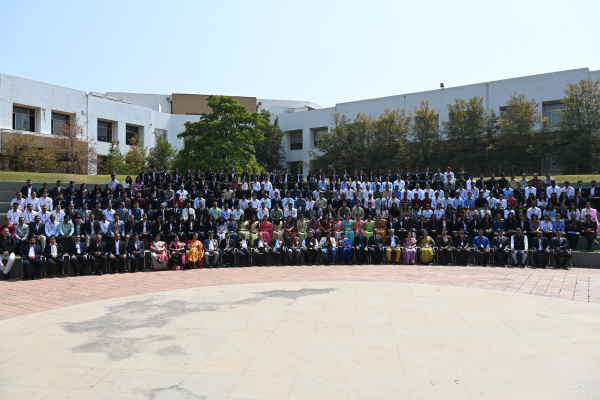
(266, 229)
(359, 225)
(158, 254)
(338, 227)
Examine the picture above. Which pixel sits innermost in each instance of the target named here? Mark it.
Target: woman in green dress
(301, 228)
(369, 226)
(243, 228)
(349, 229)
(254, 225)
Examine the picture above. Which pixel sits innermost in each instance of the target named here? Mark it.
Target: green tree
(524, 137)
(114, 161)
(22, 152)
(269, 149)
(135, 158)
(470, 130)
(392, 130)
(163, 153)
(223, 138)
(580, 125)
(425, 135)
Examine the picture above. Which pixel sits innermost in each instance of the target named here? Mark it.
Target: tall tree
(425, 135)
(524, 135)
(135, 158)
(269, 149)
(470, 129)
(392, 130)
(22, 152)
(114, 162)
(580, 124)
(223, 138)
(75, 152)
(163, 153)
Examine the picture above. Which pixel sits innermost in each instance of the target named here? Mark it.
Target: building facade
(41, 109)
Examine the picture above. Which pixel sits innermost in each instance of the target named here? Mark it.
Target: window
(105, 131)
(552, 112)
(296, 140)
(161, 132)
(131, 134)
(23, 119)
(60, 123)
(296, 165)
(317, 133)
(503, 109)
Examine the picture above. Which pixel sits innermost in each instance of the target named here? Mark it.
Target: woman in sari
(243, 228)
(326, 225)
(195, 253)
(315, 226)
(344, 246)
(338, 227)
(410, 251)
(301, 228)
(349, 228)
(369, 227)
(289, 226)
(158, 253)
(381, 227)
(232, 228)
(277, 226)
(254, 228)
(221, 228)
(359, 225)
(266, 229)
(426, 249)
(176, 250)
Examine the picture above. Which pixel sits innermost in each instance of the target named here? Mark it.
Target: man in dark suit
(392, 244)
(573, 229)
(54, 258)
(293, 248)
(31, 255)
(261, 250)
(97, 253)
(361, 247)
(228, 250)
(143, 175)
(37, 230)
(232, 176)
(500, 244)
(135, 250)
(165, 175)
(221, 176)
(310, 248)
(243, 249)
(211, 248)
(27, 189)
(131, 228)
(78, 255)
(57, 190)
(541, 249)
(461, 246)
(561, 249)
(117, 252)
(376, 247)
(589, 229)
(278, 249)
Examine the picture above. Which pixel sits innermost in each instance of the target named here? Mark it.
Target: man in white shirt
(262, 212)
(58, 213)
(553, 189)
(113, 182)
(290, 211)
(568, 189)
(530, 189)
(534, 210)
(22, 202)
(14, 214)
(182, 192)
(255, 202)
(45, 201)
(449, 175)
(109, 212)
(51, 227)
(29, 214)
(34, 201)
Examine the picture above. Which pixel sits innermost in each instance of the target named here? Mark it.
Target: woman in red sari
(326, 225)
(266, 229)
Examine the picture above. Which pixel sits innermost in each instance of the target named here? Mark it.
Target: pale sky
(322, 51)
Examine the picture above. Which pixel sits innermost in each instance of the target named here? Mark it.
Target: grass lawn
(52, 178)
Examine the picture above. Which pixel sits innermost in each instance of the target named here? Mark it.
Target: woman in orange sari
(195, 253)
(266, 229)
(359, 225)
(381, 227)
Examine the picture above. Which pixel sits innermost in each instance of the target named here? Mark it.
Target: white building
(41, 108)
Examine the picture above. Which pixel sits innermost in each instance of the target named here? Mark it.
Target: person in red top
(7, 224)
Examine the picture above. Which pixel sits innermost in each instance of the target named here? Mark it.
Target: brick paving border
(25, 297)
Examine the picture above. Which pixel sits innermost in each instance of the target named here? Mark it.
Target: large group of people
(202, 219)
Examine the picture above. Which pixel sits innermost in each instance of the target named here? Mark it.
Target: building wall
(195, 104)
(542, 88)
(156, 102)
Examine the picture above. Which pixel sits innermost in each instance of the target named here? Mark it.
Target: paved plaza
(340, 332)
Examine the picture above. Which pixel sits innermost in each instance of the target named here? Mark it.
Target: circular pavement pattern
(313, 340)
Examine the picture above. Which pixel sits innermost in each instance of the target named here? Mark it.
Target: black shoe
(25, 278)
(99, 273)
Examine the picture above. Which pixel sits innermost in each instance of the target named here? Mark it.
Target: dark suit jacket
(563, 244)
(224, 244)
(113, 250)
(25, 251)
(535, 243)
(131, 246)
(456, 241)
(289, 243)
(59, 251)
(24, 191)
(496, 242)
(35, 231)
(95, 247)
(131, 228)
(88, 227)
(360, 238)
(73, 249)
(439, 242)
(375, 240)
(388, 241)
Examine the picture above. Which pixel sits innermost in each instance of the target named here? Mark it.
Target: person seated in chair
(392, 244)
(519, 245)
(261, 250)
(481, 246)
(54, 257)
(560, 247)
(361, 247)
(31, 255)
(278, 249)
(211, 248)
(78, 255)
(310, 248)
(500, 248)
(135, 250)
(541, 249)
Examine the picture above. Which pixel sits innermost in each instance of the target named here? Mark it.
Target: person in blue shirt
(468, 201)
(558, 224)
(482, 247)
(457, 201)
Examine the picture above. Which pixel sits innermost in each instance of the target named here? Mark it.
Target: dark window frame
(22, 112)
(108, 135)
(65, 121)
(296, 139)
(131, 131)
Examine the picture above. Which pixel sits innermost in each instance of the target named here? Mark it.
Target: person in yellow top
(426, 245)
(195, 252)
